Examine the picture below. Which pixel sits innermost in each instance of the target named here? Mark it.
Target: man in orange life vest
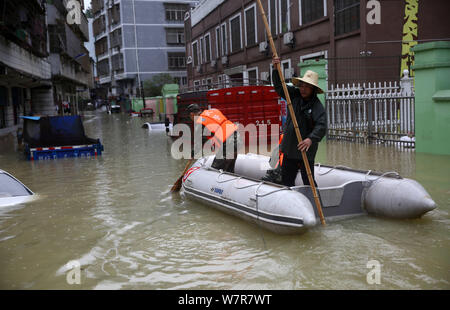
(221, 129)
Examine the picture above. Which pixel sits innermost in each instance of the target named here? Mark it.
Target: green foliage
(153, 86)
(88, 13)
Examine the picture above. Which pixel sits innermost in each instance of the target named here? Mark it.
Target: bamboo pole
(292, 113)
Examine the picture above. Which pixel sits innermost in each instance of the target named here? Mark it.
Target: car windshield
(9, 187)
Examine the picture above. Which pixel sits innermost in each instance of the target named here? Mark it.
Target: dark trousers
(289, 170)
(226, 164)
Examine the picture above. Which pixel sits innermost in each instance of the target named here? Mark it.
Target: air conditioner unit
(189, 60)
(288, 38)
(213, 63)
(265, 76)
(288, 73)
(198, 69)
(224, 60)
(263, 47)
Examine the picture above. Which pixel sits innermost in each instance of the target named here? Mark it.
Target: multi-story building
(137, 39)
(25, 73)
(70, 62)
(361, 40)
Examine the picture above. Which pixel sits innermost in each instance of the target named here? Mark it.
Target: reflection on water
(116, 216)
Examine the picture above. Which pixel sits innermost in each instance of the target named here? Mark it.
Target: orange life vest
(280, 160)
(219, 126)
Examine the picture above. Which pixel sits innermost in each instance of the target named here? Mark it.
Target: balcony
(97, 6)
(101, 47)
(116, 38)
(103, 68)
(99, 25)
(114, 15)
(20, 59)
(23, 22)
(117, 62)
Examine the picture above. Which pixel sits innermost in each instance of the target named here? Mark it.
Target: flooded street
(116, 216)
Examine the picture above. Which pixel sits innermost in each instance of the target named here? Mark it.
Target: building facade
(25, 72)
(361, 41)
(137, 39)
(70, 62)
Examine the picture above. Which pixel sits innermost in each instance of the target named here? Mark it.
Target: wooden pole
(177, 185)
(292, 113)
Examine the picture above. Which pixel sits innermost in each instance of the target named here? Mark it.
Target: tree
(153, 86)
(88, 13)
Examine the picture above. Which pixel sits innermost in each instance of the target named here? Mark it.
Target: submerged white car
(12, 191)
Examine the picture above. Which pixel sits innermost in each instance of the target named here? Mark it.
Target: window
(202, 50)
(117, 62)
(224, 46)
(175, 36)
(207, 48)
(235, 33)
(253, 76)
(176, 61)
(209, 82)
(273, 16)
(101, 46)
(175, 12)
(195, 53)
(346, 16)
(217, 42)
(285, 66)
(250, 25)
(57, 37)
(103, 67)
(270, 73)
(314, 56)
(284, 16)
(311, 10)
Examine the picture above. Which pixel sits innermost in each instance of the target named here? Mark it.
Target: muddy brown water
(115, 217)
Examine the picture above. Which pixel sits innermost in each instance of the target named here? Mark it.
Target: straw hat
(310, 78)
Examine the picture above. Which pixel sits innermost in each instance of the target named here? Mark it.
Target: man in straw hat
(312, 122)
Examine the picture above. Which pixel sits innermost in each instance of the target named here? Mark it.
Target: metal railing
(372, 113)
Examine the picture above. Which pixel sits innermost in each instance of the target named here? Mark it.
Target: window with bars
(101, 47)
(177, 61)
(175, 36)
(250, 25)
(311, 10)
(347, 17)
(103, 67)
(175, 12)
(235, 33)
(117, 62)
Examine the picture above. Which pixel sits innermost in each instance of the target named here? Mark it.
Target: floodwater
(116, 218)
